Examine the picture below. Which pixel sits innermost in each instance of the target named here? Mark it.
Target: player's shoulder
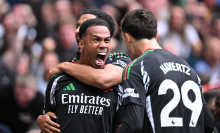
(118, 59)
(114, 55)
(62, 77)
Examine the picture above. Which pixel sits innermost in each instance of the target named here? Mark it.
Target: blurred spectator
(49, 20)
(4, 8)
(198, 14)
(49, 60)
(78, 6)
(21, 105)
(183, 36)
(210, 64)
(63, 8)
(134, 5)
(23, 64)
(49, 44)
(66, 47)
(6, 76)
(216, 25)
(212, 5)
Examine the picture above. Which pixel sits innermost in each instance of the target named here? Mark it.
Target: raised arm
(100, 78)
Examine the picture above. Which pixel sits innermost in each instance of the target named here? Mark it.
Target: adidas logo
(69, 87)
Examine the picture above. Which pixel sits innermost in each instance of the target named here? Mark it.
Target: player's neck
(83, 60)
(144, 44)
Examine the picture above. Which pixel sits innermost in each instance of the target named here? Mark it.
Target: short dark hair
(211, 95)
(103, 15)
(89, 23)
(140, 23)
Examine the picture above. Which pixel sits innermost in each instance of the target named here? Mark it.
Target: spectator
(63, 8)
(49, 60)
(21, 105)
(183, 35)
(210, 64)
(216, 25)
(23, 64)
(67, 46)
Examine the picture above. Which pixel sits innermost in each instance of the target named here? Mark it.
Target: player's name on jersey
(171, 66)
(85, 104)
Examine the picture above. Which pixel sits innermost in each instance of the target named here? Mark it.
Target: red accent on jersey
(73, 61)
(126, 69)
(106, 90)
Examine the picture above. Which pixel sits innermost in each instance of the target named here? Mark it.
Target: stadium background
(35, 35)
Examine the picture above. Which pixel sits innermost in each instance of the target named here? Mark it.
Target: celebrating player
(162, 93)
(79, 107)
(87, 74)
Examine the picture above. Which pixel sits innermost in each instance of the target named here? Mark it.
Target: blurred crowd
(35, 35)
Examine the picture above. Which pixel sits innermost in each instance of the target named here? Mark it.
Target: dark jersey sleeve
(133, 121)
(49, 100)
(119, 115)
(134, 91)
(118, 59)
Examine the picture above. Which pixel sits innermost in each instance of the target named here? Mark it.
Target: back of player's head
(102, 15)
(89, 23)
(210, 95)
(140, 24)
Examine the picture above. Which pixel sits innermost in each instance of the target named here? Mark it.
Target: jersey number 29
(195, 107)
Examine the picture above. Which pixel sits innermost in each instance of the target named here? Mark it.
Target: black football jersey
(169, 89)
(81, 108)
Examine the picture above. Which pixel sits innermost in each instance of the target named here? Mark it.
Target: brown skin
(97, 41)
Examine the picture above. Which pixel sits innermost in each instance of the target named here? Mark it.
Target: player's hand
(46, 124)
(55, 70)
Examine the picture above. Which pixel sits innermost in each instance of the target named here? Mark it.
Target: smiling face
(83, 18)
(95, 45)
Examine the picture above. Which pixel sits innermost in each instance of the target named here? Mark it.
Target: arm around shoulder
(101, 78)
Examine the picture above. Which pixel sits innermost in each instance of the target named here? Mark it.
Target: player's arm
(100, 78)
(133, 100)
(133, 121)
(45, 122)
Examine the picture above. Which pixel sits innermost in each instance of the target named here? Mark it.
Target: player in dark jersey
(79, 107)
(162, 93)
(86, 74)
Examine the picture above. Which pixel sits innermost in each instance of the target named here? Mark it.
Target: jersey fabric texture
(170, 91)
(82, 108)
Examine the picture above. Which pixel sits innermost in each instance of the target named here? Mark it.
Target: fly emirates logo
(85, 104)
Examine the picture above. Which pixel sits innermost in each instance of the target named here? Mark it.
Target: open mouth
(100, 59)
(77, 39)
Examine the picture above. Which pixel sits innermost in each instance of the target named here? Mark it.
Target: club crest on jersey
(130, 92)
(106, 90)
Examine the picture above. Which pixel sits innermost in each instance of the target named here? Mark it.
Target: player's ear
(128, 37)
(156, 36)
(81, 44)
